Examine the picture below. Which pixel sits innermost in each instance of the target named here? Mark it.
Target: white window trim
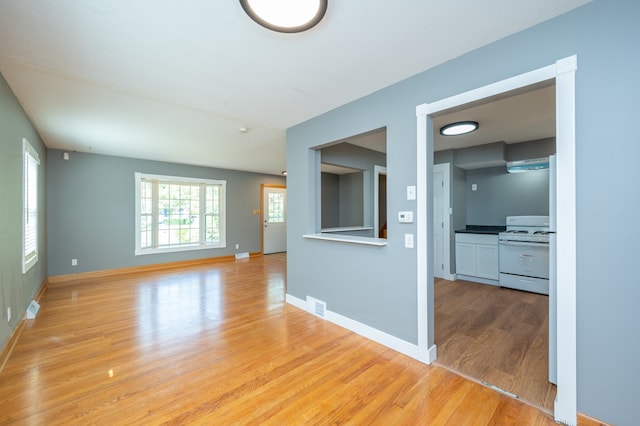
(179, 179)
(28, 150)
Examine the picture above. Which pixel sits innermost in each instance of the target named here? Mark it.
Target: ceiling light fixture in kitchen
(459, 128)
(286, 16)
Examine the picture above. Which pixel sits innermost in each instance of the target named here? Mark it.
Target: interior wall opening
(494, 334)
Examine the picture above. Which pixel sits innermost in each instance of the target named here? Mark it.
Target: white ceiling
(175, 81)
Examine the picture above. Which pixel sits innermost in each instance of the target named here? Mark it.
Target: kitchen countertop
(481, 229)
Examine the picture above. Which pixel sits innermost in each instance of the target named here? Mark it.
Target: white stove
(524, 254)
(526, 228)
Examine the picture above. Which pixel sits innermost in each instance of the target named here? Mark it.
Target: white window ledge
(380, 242)
(347, 229)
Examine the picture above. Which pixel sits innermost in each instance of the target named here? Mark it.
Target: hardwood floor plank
(216, 344)
(495, 335)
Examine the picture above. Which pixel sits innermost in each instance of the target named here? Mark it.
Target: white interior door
(438, 223)
(274, 216)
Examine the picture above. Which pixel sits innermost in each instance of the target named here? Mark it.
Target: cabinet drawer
(489, 239)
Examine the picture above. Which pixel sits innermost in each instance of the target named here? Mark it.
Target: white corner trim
(422, 109)
(568, 64)
(363, 330)
(566, 406)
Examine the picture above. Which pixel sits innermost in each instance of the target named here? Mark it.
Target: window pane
(30, 207)
(146, 228)
(276, 207)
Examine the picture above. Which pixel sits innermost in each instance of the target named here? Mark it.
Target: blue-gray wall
(330, 214)
(500, 194)
(17, 289)
(377, 286)
(91, 213)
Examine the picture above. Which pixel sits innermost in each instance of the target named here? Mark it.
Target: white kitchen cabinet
(477, 257)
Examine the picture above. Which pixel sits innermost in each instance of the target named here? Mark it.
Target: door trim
(262, 187)
(563, 72)
(445, 168)
(377, 171)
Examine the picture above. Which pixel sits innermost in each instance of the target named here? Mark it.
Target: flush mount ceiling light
(459, 128)
(286, 16)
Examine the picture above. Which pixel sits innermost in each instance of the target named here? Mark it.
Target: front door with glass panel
(274, 226)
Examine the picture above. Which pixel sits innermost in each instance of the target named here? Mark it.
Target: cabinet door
(487, 261)
(466, 258)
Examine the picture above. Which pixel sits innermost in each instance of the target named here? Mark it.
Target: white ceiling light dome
(459, 128)
(286, 16)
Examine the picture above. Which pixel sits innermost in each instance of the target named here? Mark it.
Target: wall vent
(316, 307)
(242, 256)
(33, 309)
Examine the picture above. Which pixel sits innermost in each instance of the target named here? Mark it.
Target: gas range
(524, 254)
(526, 228)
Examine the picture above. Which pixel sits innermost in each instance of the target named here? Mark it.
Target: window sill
(379, 242)
(346, 229)
(142, 252)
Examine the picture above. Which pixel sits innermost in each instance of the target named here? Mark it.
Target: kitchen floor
(495, 335)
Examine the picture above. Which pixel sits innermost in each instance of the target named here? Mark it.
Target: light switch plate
(408, 240)
(411, 192)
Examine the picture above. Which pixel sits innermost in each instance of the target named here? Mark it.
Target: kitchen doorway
(497, 336)
(563, 74)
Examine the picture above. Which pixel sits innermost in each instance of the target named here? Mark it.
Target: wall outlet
(9, 314)
(74, 262)
(237, 246)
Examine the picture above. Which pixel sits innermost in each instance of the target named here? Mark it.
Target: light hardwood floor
(217, 345)
(496, 335)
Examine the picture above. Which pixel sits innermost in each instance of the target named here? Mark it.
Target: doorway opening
(493, 334)
(563, 73)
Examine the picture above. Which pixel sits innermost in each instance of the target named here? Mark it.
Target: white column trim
(566, 398)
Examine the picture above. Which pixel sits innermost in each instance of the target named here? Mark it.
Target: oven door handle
(523, 243)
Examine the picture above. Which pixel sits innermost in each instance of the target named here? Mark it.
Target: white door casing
(274, 219)
(441, 235)
(563, 72)
(377, 171)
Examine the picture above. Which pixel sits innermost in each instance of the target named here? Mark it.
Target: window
(276, 207)
(177, 214)
(29, 206)
(347, 181)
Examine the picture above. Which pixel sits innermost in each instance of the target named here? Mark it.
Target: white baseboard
(432, 354)
(447, 276)
(298, 303)
(479, 280)
(364, 330)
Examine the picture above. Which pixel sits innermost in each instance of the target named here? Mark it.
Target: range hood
(526, 165)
